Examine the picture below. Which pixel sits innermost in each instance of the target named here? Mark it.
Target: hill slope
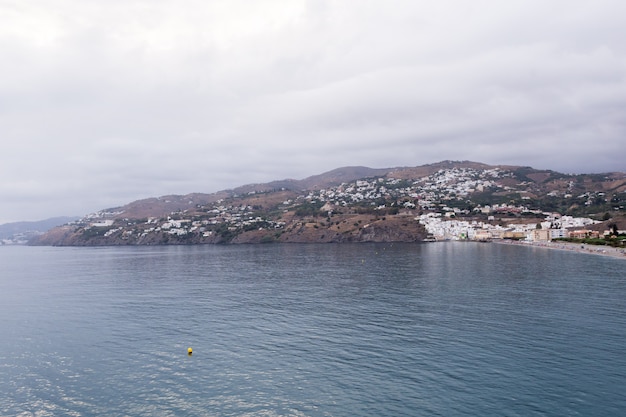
(22, 232)
(348, 204)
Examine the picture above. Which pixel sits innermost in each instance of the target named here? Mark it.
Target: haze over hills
(22, 232)
(349, 204)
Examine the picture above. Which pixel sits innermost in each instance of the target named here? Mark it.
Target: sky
(104, 102)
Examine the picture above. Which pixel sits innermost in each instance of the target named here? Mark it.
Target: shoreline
(618, 253)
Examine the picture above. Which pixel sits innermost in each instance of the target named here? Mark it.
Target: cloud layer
(102, 103)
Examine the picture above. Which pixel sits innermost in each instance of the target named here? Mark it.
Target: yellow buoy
(189, 351)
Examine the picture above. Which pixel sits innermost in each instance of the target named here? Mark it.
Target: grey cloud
(102, 103)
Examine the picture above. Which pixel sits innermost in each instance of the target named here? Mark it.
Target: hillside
(351, 204)
(22, 232)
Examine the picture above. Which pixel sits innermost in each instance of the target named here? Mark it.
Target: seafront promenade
(569, 246)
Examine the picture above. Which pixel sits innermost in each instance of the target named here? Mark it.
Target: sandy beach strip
(619, 253)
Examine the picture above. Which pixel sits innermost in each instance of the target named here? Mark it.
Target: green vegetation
(399, 184)
(522, 172)
(310, 209)
(268, 239)
(225, 232)
(91, 232)
(614, 241)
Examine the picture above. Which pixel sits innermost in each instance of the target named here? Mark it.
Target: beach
(619, 253)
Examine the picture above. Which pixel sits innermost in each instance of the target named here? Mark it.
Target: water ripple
(311, 330)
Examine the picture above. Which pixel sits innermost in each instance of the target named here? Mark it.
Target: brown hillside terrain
(341, 228)
(350, 204)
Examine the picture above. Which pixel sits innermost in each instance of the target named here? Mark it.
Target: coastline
(619, 253)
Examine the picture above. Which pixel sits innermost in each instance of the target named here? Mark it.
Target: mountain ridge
(22, 232)
(290, 210)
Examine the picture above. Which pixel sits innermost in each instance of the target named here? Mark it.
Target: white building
(558, 233)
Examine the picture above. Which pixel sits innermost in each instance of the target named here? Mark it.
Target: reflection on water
(311, 330)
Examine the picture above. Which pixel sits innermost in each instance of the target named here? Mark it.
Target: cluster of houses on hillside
(447, 191)
(554, 227)
(440, 199)
(426, 193)
(233, 217)
(19, 238)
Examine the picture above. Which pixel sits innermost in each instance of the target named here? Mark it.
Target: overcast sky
(103, 102)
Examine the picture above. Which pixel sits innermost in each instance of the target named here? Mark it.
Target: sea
(430, 329)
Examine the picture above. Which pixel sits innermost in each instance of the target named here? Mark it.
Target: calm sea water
(444, 329)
